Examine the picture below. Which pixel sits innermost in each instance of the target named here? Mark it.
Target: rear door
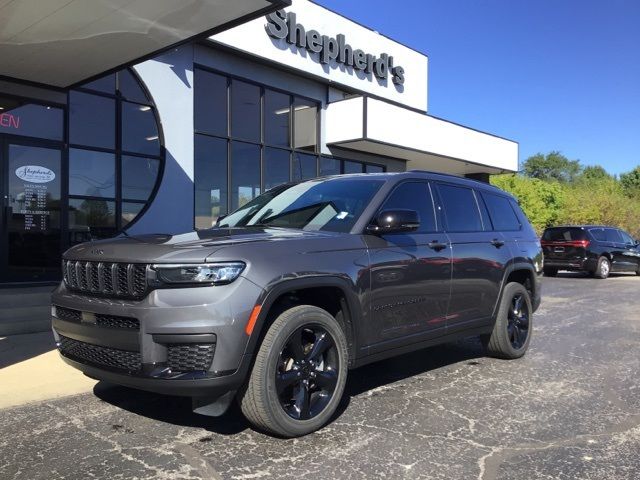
(565, 244)
(478, 254)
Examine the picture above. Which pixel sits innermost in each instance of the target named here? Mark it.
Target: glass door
(30, 188)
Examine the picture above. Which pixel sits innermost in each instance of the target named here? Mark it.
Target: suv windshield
(564, 234)
(332, 204)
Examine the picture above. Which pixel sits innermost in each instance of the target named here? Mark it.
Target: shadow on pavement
(18, 348)
(177, 410)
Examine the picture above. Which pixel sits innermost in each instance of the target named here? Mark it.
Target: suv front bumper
(179, 341)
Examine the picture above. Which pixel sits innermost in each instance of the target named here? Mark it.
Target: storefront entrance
(31, 157)
(30, 187)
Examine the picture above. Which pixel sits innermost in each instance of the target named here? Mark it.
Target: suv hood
(192, 247)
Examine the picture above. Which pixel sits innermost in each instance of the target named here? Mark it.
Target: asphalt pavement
(570, 409)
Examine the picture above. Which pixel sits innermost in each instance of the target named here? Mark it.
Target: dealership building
(159, 116)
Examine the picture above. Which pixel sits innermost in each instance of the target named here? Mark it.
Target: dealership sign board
(318, 42)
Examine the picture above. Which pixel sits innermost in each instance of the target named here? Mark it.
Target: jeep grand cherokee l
(598, 250)
(275, 305)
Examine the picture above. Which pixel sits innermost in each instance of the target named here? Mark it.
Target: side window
(484, 213)
(613, 235)
(461, 208)
(626, 238)
(502, 214)
(598, 234)
(414, 196)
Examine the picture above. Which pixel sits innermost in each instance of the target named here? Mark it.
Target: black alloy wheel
(518, 321)
(307, 372)
(513, 326)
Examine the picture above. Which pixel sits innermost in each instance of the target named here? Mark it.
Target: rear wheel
(512, 331)
(603, 269)
(550, 272)
(299, 374)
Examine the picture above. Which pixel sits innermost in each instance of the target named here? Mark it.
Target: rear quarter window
(598, 234)
(501, 212)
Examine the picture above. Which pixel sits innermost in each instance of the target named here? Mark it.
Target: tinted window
(564, 234)
(414, 196)
(92, 120)
(305, 131)
(460, 208)
(210, 107)
(331, 204)
(139, 129)
(626, 238)
(613, 235)
(373, 169)
(276, 118)
(245, 111)
(89, 219)
(598, 234)
(92, 174)
(106, 84)
(130, 211)
(502, 215)
(304, 166)
(22, 118)
(353, 167)
(130, 88)
(329, 166)
(276, 167)
(245, 173)
(139, 176)
(210, 180)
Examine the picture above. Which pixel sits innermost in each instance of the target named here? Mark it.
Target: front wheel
(299, 373)
(512, 331)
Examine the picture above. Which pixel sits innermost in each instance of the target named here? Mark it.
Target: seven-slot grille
(128, 280)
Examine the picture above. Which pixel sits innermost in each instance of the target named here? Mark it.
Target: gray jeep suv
(275, 304)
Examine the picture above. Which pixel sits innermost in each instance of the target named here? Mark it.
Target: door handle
(497, 243)
(436, 245)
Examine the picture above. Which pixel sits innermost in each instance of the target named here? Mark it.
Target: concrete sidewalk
(31, 371)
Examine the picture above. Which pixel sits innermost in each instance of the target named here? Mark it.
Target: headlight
(203, 274)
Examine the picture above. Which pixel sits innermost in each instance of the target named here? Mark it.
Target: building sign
(283, 25)
(8, 120)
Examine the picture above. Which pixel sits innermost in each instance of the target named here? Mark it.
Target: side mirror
(220, 218)
(390, 221)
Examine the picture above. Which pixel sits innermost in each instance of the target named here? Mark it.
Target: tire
(512, 330)
(287, 351)
(603, 269)
(550, 272)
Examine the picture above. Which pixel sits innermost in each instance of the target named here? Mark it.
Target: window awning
(65, 42)
(425, 142)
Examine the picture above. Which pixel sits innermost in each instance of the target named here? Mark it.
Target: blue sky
(550, 74)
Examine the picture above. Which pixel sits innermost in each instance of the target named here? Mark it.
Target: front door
(30, 223)
(410, 274)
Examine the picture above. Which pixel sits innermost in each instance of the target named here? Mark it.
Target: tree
(552, 166)
(594, 173)
(630, 181)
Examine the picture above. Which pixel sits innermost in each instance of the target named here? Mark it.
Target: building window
(251, 138)
(115, 155)
(257, 152)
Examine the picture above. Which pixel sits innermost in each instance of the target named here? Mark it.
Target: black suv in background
(596, 249)
(275, 305)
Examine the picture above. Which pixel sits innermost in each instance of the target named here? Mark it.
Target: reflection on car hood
(187, 247)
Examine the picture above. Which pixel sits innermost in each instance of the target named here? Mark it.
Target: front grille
(98, 319)
(190, 357)
(95, 354)
(125, 280)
